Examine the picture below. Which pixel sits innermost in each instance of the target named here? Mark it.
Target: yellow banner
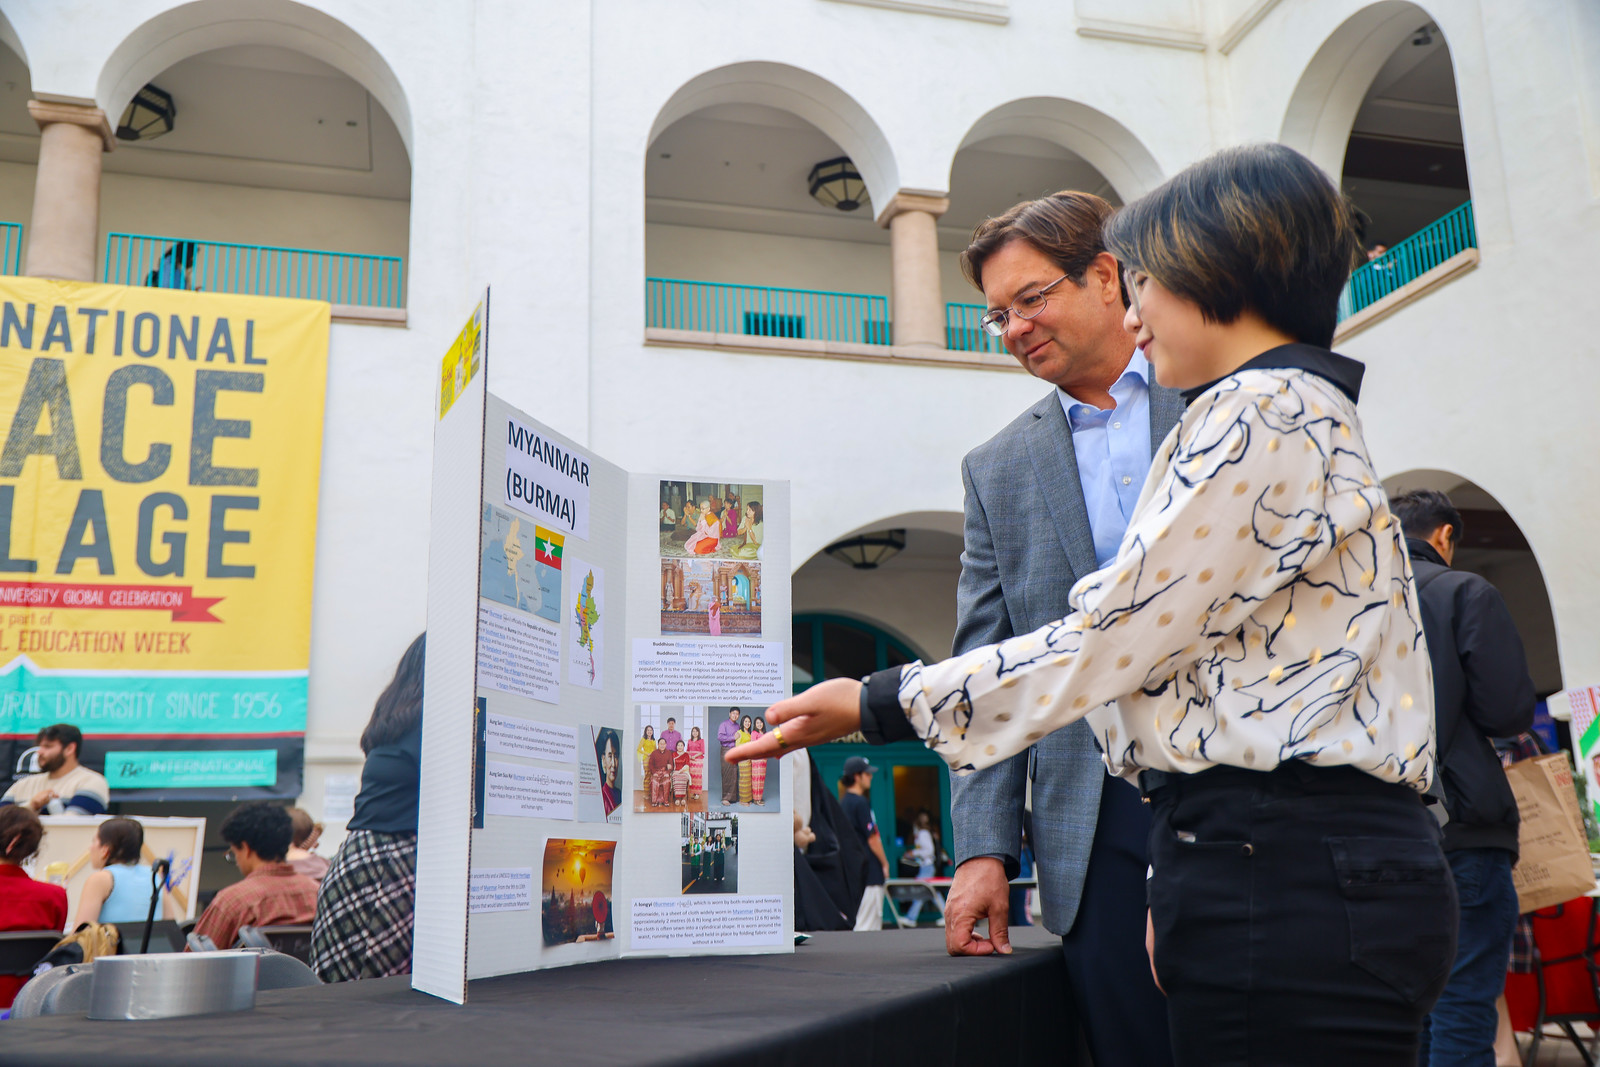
(158, 506)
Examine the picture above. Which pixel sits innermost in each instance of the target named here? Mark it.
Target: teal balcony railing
(255, 270)
(962, 332)
(11, 251)
(1409, 260)
(762, 311)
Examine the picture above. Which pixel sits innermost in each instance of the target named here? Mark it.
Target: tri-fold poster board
(595, 639)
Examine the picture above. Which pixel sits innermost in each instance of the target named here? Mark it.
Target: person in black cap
(857, 782)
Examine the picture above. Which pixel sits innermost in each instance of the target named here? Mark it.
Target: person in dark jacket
(1481, 691)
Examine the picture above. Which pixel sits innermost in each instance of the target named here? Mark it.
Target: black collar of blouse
(1340, 370)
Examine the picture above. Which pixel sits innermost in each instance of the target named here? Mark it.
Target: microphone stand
(160, 871)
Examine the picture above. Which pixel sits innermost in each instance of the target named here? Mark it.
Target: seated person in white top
(119, 889)
(61, 777)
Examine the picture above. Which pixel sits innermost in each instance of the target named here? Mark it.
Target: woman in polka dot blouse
(1253, 659)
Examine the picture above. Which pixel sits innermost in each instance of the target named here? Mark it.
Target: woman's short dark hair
(262, 825)
(20, 833)
(123, 837)
(399, 706)
(1066, 226)
(1422, 511)
(755, 510)
(1258, 228)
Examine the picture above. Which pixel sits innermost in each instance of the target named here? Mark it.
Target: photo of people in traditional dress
(715, 520)
(711, 852)
(576, 898)
(750, 786)
(714, 597)
(672, 758)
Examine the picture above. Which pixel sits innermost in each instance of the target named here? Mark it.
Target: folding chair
(900, 892)
(21, 950)
(1564, 987)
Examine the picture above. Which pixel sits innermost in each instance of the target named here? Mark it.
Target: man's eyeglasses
(1027, 305)
(229, 856)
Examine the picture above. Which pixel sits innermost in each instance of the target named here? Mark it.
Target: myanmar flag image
(547, 569)
(547, 547)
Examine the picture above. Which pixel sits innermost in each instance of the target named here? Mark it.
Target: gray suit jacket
(1027, 543)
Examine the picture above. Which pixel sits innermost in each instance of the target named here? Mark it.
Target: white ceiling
(248, 115)
(744, 167)
(1414, 95)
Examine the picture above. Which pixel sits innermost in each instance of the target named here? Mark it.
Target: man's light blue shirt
(1113, 452)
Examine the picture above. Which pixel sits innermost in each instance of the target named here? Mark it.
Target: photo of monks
(576, 896)
(751, 785)
(670, 761)
(711, 520)
(715, 597)
(711, 852)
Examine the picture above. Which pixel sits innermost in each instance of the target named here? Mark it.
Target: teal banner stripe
(126, 704)
(187, 770)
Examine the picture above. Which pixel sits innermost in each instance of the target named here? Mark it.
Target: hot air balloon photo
(576, 896)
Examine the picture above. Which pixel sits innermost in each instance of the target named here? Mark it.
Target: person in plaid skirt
(367, 899)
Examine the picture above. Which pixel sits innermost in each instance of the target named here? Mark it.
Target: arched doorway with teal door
(910, 777)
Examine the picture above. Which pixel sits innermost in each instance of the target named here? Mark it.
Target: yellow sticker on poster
(461, 363)
(158, 508)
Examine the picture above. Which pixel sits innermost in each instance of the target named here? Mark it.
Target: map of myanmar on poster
(596, 638)
(158, 511)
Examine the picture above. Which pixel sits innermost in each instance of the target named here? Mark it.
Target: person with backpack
(1481, 691)
(24, 903)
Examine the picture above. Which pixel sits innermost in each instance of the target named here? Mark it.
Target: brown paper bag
(1554, 864)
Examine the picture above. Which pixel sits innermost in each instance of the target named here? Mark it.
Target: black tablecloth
(890, 997)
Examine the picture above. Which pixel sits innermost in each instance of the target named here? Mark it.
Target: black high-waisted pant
(1302, 916)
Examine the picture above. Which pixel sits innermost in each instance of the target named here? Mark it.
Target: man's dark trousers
(1110, 980)
(1460, 1030)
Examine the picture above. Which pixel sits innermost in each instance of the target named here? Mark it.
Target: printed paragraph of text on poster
(528, 792)
(707, 922)
(518, 654)
(690, 672)
(526, 737)
(500, 889)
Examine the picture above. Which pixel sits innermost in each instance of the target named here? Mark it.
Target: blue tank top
(129, 901)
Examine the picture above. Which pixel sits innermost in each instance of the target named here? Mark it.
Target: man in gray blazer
(1047, 500)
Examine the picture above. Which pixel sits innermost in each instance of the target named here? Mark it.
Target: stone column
(64, 234)
(912, 219)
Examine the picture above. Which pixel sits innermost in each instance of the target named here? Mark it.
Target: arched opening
(850, 622)
(286, 170)
(736, 239)
(1405, 164)
(1378, 107)
(19, 151)
(1019, 151)
(1494, 546)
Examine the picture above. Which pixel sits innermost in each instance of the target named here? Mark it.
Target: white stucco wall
(528, 126)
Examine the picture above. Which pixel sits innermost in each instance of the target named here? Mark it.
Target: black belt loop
(1150, 781)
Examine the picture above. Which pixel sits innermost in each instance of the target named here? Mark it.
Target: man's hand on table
(980, 891)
